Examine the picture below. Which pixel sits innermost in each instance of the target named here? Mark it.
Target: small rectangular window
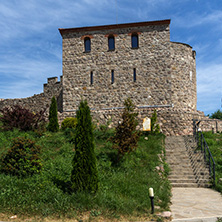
(112, 76)
(87, 44)
(91, 78)
(135, 41)
(134, 74)
(111, 43)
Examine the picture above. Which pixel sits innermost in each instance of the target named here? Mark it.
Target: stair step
(184, 184)
(179, 181)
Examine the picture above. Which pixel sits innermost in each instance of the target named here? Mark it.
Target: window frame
(135, 41)
(111, 45)
(87, 44)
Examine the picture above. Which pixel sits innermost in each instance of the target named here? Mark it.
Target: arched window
(87, 44)
(111, 42)
(135, 40)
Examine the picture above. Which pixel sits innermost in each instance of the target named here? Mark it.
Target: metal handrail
(205, 150)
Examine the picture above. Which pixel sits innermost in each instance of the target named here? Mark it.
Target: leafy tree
(126, 136)
(216, 115)
(53, 116)
(21, 118)
(155, 128)
(84, 175)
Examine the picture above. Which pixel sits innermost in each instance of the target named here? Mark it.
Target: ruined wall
(39, 101)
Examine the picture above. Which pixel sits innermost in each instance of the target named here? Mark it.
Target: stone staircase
(188, 168)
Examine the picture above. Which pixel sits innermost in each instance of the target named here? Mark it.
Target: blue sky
(31, 46)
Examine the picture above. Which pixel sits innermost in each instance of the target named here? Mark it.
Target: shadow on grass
(65, 186)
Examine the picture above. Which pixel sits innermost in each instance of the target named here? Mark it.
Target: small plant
(21, 118)
(126, 136)
(53, 116)
(219, 219)
(155, 128)
(69, 122)
(22, 159)
(84, 174)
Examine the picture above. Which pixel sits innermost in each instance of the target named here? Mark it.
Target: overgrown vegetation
(21, 118)
(123, 191)
(126, 136)
(84, 175)
(53, 116)
(214, 142)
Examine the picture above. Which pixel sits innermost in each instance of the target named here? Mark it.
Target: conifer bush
(155, 128)
(53, 116)
(22, 159)
(21, 118)
(126, 136)
(84, 176)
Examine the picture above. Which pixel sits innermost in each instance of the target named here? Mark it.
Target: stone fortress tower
(107, 64)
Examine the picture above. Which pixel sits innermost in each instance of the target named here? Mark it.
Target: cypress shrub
(126, 136)
(53, 116)
(155, 128)
(84, 175)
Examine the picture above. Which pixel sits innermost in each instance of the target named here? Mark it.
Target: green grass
(123, 188)
(214, 142)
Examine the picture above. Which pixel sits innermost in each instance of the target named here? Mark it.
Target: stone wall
(165, 76)
(183, 76)
(171, 120)
(165, 71)
(39, 101)
(151, 61)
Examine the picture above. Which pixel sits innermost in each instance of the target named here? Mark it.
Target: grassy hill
(214, 142)
(123, 188)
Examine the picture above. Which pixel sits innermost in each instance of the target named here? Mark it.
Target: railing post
(201, 142)
(214, 176)
(209, 164)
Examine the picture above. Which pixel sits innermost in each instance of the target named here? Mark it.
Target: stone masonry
(157, 74)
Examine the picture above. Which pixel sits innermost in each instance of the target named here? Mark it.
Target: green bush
(84, 175)
(69, 122)
(22, 159)
(53, 116)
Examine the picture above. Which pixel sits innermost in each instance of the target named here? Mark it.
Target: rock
(166, 214)
(157, 168)
(13, 217)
